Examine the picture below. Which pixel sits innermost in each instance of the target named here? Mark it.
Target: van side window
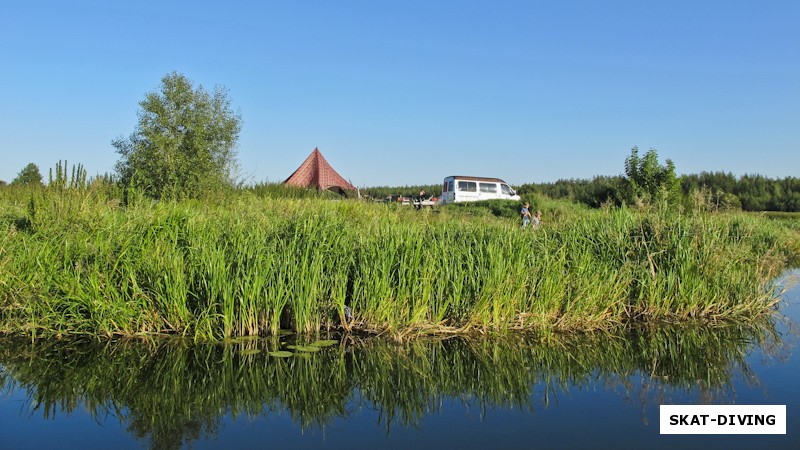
(489, 187)
(506, 190)
(467, 186)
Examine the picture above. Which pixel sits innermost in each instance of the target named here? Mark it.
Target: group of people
(535, 220)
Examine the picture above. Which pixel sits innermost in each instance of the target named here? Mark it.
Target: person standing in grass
(526, 215)
(537, 220)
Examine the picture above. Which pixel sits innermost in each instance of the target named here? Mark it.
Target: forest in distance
(725, 191)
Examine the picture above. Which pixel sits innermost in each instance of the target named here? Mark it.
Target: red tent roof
(317, 172)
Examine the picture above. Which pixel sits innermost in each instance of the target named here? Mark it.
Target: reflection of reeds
(174, 394)
(76, 263)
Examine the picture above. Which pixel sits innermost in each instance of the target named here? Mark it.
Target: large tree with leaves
(648, 181)
(29, 176)
(184, 144)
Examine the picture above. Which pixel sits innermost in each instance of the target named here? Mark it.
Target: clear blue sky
(408, 92)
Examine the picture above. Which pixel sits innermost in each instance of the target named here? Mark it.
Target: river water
(580, 391)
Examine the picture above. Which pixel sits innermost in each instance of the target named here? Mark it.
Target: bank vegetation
(81, 261)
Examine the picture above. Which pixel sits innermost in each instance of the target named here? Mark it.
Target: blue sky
(408, 92)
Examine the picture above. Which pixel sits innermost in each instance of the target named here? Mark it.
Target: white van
(472, 189)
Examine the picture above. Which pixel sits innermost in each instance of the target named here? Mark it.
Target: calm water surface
(587, 391)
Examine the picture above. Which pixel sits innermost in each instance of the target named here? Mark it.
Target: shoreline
(85, 265)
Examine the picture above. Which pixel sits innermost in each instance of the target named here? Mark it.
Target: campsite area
(310, 318)
(416, 224)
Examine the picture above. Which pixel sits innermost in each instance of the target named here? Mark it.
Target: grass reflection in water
(172, 394)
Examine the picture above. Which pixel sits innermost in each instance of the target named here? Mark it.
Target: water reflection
(170, 394)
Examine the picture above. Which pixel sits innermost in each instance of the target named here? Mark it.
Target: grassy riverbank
(79, 263)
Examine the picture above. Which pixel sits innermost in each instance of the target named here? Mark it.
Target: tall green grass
(78, 262)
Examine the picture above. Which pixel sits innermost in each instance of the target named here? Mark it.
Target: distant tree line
(644, 182)
(721, 190)
(750, 192)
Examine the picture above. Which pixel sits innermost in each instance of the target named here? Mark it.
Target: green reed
(75, 262)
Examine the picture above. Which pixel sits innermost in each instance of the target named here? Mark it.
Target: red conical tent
(316, 172)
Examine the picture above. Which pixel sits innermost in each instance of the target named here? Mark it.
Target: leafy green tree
(648, 181)
(29, 175)
(184, 144)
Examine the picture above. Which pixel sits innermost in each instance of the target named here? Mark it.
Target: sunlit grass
(81, 263)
